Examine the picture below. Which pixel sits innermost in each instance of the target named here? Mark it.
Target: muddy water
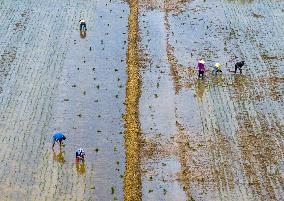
(221, 138)
(53, 79)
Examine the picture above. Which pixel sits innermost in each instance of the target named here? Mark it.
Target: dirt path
(132, 134)
(218, 139)
(51, 79)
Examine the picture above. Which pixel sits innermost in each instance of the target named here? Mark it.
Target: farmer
(83, 25)
(58, 137)
(239, 66)
(201, 68)
(216, 69)
(80, 155)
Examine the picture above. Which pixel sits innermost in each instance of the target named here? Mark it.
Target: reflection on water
(217, 80)
(200, 89)
(59, 156)
(83, 34)
(81, 168)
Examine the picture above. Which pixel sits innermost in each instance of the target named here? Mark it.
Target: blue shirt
(59, 136)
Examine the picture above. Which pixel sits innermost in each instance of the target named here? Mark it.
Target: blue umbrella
(59, 136)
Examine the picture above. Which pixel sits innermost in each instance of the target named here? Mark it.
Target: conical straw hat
(217, 65)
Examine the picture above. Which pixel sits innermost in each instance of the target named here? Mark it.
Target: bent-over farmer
(58, 137)
(80, 155)
(201, 68)
(83, 25)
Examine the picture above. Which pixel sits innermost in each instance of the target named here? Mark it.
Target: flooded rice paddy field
(51, 80)
(221, 138)
(132, 81)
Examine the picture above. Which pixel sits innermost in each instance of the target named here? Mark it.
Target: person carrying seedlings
(201, 68)
(239, 66)
(216, 69)
(80, 155)
(83, 25)
(58, 137)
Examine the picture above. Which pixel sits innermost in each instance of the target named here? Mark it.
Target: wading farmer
(80, 155)
(83, 25)
(201, 68)
(58, 137)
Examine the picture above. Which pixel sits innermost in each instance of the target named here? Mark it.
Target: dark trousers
(237, 67)
(56, 140)
(83, 25)
(216, 71)
(201, 73)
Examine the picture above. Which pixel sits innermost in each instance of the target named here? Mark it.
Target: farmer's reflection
(81, 168)
(83, 34)
(199, 89)
(58, 155)
(218, 81)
